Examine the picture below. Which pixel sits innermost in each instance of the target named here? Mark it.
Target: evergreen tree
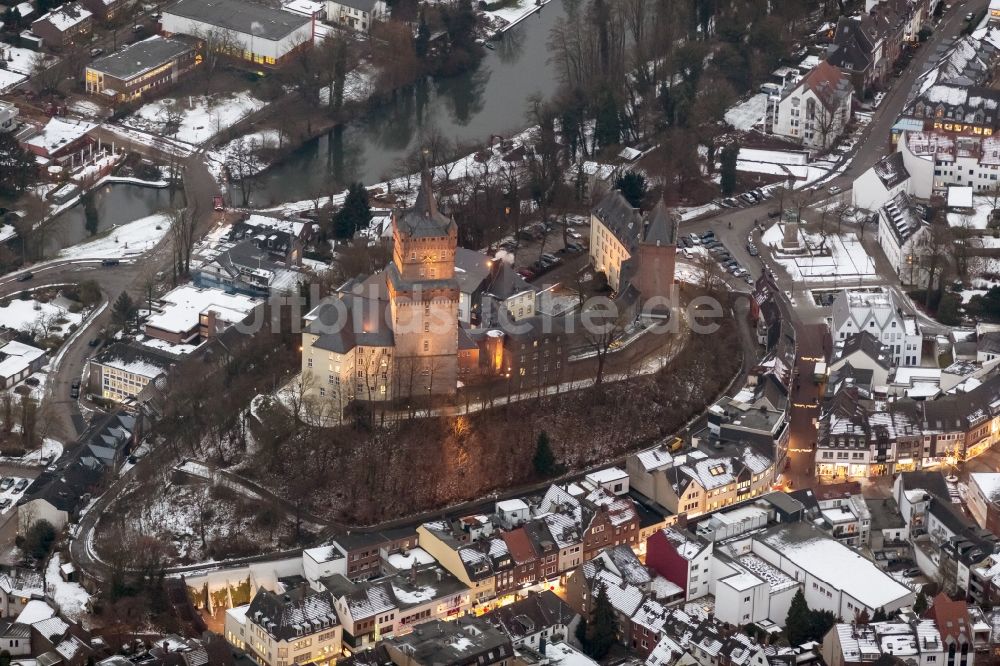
(601, 633)
(355, 214)
(91, 218)
(544, 461)
(633, 187)
(880, 615)
(39, 539)
(920, 605)
(18, 167)
(798, 620)
(421, 45)
(123, 311)
(607, 122)
(581, 633)
(727, 169)
(820, 622)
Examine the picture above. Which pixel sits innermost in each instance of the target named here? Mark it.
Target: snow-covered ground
(32, 316)
(359, 84)
(847, 258)
(21, 60)
(7, 231)
(517, 12)
(200, 117)
(9, 79)
(71, 598)
(127, 240)
(745, 115)
(87, 109)
(151, 138)
(217, 158)
(977, 219)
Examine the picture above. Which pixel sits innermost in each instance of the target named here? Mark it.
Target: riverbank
(512, 16)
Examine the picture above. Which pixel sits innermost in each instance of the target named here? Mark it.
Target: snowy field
(200, 117)
(744, 116)
(128, 240)
(33, 317)
(847, 259)
(359, 84)
(22, 60)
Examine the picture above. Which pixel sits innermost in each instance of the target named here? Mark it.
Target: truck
(819, 374)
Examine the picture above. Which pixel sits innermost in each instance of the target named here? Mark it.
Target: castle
(394, 333)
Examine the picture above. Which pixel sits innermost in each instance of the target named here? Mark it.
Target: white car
(834, 189)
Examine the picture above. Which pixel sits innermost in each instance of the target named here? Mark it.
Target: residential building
(187, 315)
(816, 111)
(61, 139)
(105, 10)
(484, 566)
(701, 480)
(121, 371)
(366, 551)
(881, 183)
(683, 559)
(858, 51)
(323, 562)
(253, 32)
(955, 628)
(298, 626)
(8, 117)
(464, 642)
(146, 66)
(631, 249)
(857, 310)
(491, 293)
(18, 361)
(539, 618)
(912, 640)
(18, 586)
(902, 235)
(984, 499)
(69, 24)
(357, 15)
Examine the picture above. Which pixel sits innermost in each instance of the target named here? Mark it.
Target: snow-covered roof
(988, 484)
(15, 357)
(35, 611)
(183, 306)
(831, 561)
(65, 17)
(59, 133)
(959, 196)
(608, 475)
(511, 505)
(413, 557)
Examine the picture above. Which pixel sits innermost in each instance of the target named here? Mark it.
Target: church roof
(662, 228)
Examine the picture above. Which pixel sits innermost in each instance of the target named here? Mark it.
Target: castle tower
(423, 297)
(657, 254)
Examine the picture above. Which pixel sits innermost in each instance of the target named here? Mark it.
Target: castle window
(427, 345)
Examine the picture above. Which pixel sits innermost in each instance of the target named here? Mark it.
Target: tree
(544, 461)
(18, 168)
(602, 627)
(354, 215)
(123, 311)
(797, 622)
(633, 187)
(727, 168)
(422, 43)
(920, 605)
(91, 218)
(182, 233)
(38, 540)
(880, 615)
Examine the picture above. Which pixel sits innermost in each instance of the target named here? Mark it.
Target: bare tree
(182, 233)
(604, 325)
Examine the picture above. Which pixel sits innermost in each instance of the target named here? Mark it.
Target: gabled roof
(297, 612)
(891, 170)
(829, 84)
(531, 615)
(853, 45)
(662, 226)
(867, 344)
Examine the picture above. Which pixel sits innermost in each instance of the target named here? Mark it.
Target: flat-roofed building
(142, 67)
(244, 30)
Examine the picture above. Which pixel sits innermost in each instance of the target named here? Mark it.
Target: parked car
(748, 279)
(24, 277)
(970, 16)
(912, 572)
(749, 198)
(574, 234)
(4, 503)
(685, 241)
(695, 239)
(21, 485)
(96, 52)
(526, 273)
(110, 262)
(74, 389)
(834, 189)
(761, 194)
(6, 483)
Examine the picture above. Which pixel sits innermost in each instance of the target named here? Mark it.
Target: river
(117, 204)
(491, 99)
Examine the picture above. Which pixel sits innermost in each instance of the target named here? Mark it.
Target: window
(427, 345)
